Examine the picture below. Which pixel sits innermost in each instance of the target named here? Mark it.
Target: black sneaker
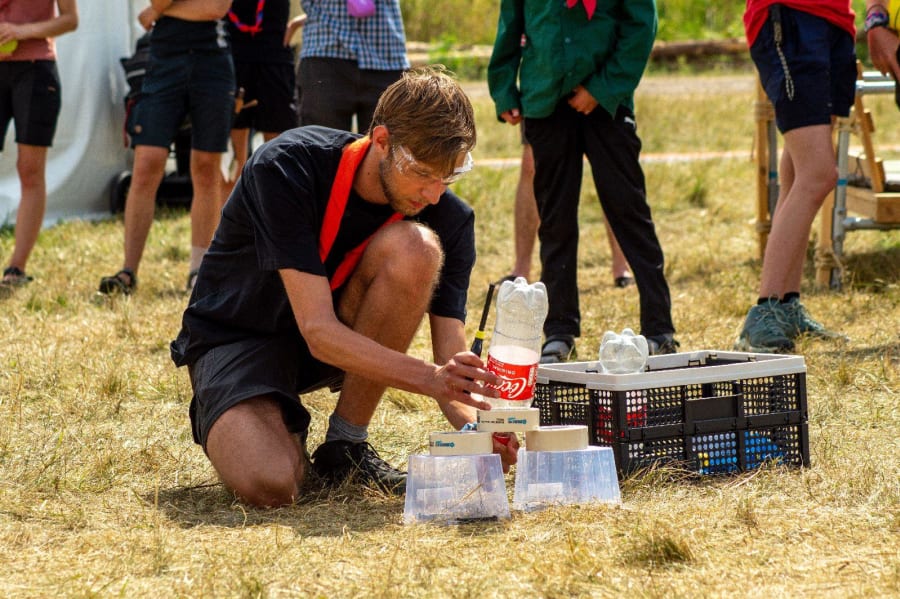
(662, 344)
(336, 461)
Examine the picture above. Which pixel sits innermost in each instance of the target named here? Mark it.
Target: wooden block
(880, 207)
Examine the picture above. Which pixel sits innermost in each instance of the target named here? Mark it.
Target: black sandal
(558, 348)
(118, 284)
(13, 278)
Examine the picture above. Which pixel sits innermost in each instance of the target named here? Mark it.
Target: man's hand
(462, 376)
(582, 101)
(147, 18)
(292, 27)
(883, 45)
(507, 446)
(513, 117)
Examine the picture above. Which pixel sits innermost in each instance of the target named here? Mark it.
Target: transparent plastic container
(545, 478)
(515, 346)
(455, 489)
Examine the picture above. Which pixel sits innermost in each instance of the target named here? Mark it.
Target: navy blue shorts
(30, 96)
(199, 85)
(817, 76)
(278, 367)
(273, 87)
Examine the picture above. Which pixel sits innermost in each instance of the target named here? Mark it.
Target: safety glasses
(406, 163)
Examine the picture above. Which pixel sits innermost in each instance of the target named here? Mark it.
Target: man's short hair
(427, 112)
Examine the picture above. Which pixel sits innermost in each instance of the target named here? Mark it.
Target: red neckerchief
(337, 202)
(589, 6)
(251, 29)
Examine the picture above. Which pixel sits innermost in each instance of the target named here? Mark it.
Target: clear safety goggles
(406, 163)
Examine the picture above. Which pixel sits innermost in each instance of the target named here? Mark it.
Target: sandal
(558, 348)
(13, 278)
(118, 283)
(623, 281)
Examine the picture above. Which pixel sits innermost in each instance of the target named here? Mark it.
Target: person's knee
(273, 484)
(411, 254)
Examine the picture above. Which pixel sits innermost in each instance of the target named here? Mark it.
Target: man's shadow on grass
(318, 512)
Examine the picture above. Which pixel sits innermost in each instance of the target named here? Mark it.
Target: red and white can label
(518, 379)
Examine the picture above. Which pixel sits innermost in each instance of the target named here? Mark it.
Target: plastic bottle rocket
(515, 347)
(623, 354)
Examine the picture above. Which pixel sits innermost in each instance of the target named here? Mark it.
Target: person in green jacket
(569, 69)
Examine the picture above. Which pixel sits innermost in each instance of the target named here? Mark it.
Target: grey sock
(341, 430)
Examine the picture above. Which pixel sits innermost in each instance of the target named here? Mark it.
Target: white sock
(197, 254)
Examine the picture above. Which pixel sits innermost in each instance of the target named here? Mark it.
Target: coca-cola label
(518, 379)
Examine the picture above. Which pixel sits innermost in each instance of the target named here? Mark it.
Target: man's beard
(384, 177)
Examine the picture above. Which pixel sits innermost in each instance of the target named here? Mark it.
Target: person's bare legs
(620, 269)
(385, 299)
(525, 215)
(140, 205)
(255, 455)
(30, 165)
(809, 174)
(205, 205)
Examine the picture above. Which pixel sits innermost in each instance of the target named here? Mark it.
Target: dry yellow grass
(103, 492)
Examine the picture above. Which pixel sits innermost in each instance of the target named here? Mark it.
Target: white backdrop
(88, 149)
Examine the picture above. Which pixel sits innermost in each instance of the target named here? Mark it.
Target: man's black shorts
(30, 95)
(278, 367)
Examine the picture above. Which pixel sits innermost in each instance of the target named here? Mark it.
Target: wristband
(876, 18)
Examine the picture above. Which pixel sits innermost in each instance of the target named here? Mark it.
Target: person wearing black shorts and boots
(30, 95)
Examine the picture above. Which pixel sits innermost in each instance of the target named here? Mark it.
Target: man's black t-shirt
(272, 221)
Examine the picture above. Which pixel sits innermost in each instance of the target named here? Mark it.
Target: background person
(806, 59)
(31, 97)
(264, 70)
(190, 73)
(347, 62)
(330, 251)
(575, 104)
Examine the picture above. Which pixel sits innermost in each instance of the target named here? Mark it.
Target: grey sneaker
(558, 348)
(336, 461)
(797, 321)
(658, 345)
(764, 331)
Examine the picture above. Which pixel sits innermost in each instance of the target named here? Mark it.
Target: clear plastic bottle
(623, 354)
(515, 347)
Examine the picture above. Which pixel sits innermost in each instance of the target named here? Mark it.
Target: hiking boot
(763, 330)
(797, 321)
(658, 345)
(336, 461)
(558, 348)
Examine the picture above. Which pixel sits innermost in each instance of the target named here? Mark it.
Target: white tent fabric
(88, 150)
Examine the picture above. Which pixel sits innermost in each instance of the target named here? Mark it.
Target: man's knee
(408, 252)
(275, 483)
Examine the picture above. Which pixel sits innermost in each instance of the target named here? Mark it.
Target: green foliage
(699, 20)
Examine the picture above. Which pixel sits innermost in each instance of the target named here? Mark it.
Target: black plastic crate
(710, 412)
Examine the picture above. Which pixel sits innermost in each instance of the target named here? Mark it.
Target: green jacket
(561, 48)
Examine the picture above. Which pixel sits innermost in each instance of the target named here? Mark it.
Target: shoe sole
(744, 345)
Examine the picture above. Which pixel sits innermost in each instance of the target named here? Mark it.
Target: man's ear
(381, 138)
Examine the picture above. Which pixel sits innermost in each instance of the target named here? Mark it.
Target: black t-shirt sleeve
(454, 222)
(284, 215)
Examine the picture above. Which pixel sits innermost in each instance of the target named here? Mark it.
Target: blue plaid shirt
(375, 43)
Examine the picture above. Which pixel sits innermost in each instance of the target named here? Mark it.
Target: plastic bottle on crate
(623, 353)
(515, 347)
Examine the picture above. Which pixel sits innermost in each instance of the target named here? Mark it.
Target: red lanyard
(589, 6)
(251, 29)
(334, 212)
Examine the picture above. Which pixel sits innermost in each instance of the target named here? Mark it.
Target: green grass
(103, 492)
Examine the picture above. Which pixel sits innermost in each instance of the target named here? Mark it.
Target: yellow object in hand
(894, 14)
(9, 47)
